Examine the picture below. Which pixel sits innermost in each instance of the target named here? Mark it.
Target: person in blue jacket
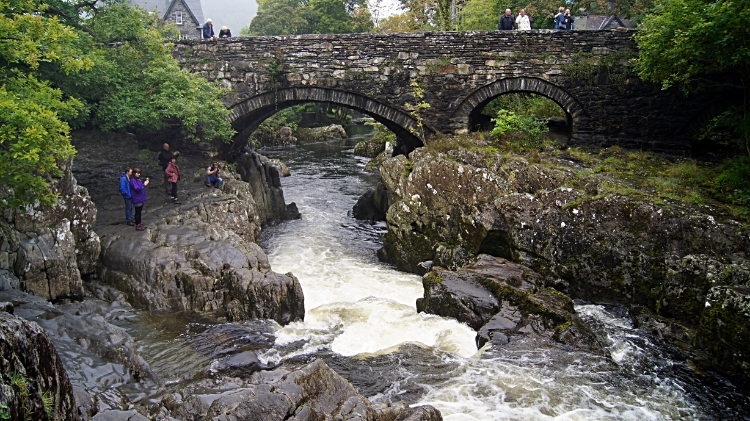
(125, 190)
(208, 30)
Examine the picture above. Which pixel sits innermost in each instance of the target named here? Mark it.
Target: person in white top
(522, 21)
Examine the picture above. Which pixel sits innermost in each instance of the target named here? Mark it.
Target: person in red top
(173, 172)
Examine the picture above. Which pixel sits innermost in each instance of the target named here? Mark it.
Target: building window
(178, 17)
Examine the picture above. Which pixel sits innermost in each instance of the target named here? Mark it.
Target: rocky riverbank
(588, 231)
(199, 257)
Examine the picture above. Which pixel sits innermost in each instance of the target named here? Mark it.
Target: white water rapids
(361, 318)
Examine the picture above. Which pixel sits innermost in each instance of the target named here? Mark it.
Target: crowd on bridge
(208, 31)
(507, 22)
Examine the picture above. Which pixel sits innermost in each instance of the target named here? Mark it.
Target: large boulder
(501, 299)
(369, 148)
(49, 248)
(373, 205)
(311, 392)
(35, 385)
(596, 238)
(188, 263)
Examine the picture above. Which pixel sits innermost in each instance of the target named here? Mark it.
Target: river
(361, 319)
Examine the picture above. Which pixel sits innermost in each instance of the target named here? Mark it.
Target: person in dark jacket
(165, 157)
(173, 171)
(507, 22)
(138, 189)
(125, 191)
(568, 20)
(208, 30)
(225, 32)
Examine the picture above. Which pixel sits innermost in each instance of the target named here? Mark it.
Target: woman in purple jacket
(138, 194)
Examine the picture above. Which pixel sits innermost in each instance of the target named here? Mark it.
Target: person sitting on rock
(165, 157)
(173, 172)
(125, 191)
(138, 189)
(212, 176)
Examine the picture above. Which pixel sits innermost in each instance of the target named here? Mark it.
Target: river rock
(501, 299)
(369, 148)
(373, 205)
(283, 169)
(35, 385)
(591, 236)
(310, 392)
(82, 325)
(47, 248)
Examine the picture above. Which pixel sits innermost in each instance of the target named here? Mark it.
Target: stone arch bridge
(588, 73)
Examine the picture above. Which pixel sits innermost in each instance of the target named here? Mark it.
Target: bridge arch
(468, 112)
(247, 115)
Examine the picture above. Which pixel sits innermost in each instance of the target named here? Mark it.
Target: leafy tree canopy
(103, 64)
(294, 17)
(699, 44)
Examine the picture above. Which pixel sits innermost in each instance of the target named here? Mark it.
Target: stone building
(186, 14)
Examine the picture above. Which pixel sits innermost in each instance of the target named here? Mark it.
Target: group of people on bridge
(208, 31)
(507, 22)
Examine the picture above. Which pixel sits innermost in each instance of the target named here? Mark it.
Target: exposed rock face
(369, 149)
(263, 178)
(283, 169)
(32, 374)
(321, 134)
(680, 260)
(312, 392)
(47, 249)
(372, 205)
(501, 299)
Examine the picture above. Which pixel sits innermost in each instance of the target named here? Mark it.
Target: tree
(103, 64)
(294, 17)
(33, 131)
(420, 15)
(699, 44)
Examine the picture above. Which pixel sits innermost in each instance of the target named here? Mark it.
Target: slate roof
(163, 7)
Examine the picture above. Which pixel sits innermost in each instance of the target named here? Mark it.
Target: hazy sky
(234, 14)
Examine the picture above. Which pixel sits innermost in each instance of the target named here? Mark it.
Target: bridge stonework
(586, 72)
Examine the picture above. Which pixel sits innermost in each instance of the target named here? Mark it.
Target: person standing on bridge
(560, 19)
(568, 20)
(208, 30)
(507, 23)
(522, 21)
(225, 32)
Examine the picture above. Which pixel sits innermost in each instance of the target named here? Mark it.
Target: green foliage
(524, 105)
(523, 131)
(698, 44)
(417, 110)
(151, 87)
(294, 17)
(33, 133)
(74, 63)
(420, 15)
